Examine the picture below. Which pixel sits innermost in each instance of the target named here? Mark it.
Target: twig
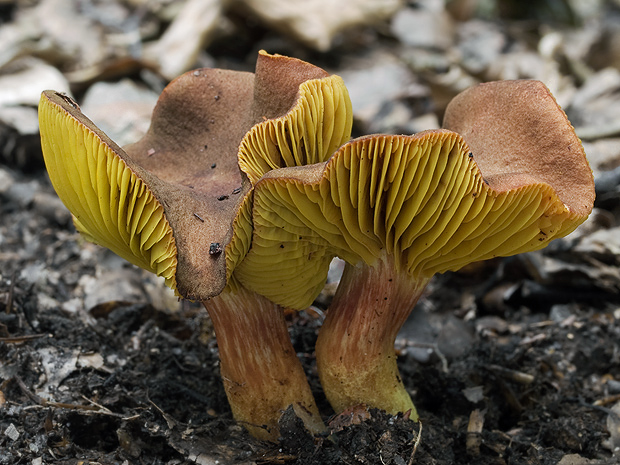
(18, 339)
(90, 408)
(514, 375)
(435, 347)
(172, 423)
(579, 400)
(95, 408)
(607, 400)
(101, 407)
(45, 403)
(33, 397)
(417, 443)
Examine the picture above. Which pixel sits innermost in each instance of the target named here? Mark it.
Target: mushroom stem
(355, 352)
(261, 372)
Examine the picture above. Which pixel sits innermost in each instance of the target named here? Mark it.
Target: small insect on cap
(112, 191)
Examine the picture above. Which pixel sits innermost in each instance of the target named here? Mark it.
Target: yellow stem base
(355, 352)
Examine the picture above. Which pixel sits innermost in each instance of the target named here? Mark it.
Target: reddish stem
(355, 352)
(261, 372)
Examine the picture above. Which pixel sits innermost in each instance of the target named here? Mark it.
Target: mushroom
(177, 203)
(399, 209)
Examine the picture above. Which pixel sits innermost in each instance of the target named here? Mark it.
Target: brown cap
(424, 201)
(516, 128)
(187, 165)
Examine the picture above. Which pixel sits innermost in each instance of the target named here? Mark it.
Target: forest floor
(512, 361)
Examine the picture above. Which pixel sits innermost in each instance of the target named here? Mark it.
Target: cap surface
(189, 159)
(517, 128)
(202, 151)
